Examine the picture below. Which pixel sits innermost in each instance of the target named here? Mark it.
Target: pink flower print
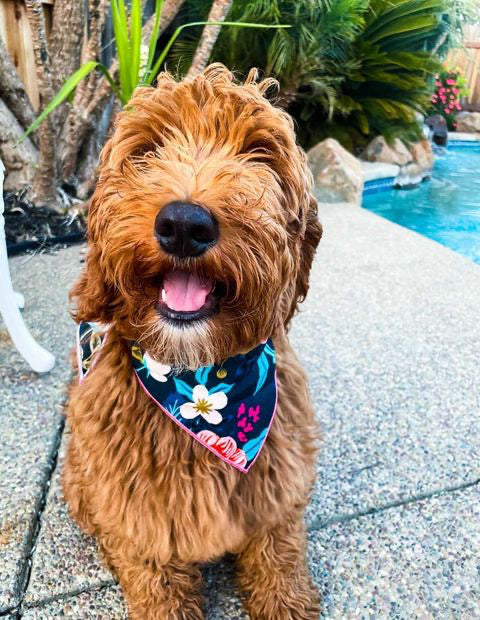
(243, 423)
(254, 413)
(225, 446)
(451, 82)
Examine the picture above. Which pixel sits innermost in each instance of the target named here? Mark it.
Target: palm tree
(218, 13)
(348, 68)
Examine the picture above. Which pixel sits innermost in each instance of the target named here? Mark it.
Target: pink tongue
(185, 292)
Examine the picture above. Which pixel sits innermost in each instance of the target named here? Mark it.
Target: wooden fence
(467, 59)
(15, 32)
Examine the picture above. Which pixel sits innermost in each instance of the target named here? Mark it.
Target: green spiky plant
(304, 59)
(351, 69)
(127, 28)
(393, 69)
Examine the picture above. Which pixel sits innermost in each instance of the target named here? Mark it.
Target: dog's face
(202, 227)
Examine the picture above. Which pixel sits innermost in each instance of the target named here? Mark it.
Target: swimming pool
(446, 208)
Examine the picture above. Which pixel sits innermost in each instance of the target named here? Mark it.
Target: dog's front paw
(273, 574)
(171, 591)
(295, 599)
(188, 610)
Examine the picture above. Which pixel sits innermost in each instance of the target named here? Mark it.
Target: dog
(202, 230)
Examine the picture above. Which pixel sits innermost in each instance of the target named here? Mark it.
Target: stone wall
(340, 177)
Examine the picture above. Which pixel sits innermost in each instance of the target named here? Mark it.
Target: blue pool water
(446, 208)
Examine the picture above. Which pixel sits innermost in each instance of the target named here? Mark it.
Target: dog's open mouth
(187, 297)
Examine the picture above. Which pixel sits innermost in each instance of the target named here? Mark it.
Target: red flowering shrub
(450, 87)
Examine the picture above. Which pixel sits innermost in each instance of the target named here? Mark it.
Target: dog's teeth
(164, 295)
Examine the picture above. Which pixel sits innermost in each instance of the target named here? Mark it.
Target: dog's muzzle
(185, 230)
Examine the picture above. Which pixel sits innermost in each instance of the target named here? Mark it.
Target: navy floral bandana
(228, 408)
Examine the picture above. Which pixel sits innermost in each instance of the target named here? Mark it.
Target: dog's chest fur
(143, 477)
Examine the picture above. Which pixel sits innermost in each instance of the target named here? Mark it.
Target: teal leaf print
(174, 409)
(262, 371)
(253, 446)
(201, 374)
(269, 351)
(221, 387)
(183, 388)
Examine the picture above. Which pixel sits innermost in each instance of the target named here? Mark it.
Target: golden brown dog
(159, 503)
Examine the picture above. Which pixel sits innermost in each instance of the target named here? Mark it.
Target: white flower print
(205, 404)
(157, 370)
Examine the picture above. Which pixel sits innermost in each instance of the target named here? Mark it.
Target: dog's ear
(93, 297)
(311, 239)
(308, 245)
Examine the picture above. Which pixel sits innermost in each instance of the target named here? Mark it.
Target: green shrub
(450, 87)
(395, 67)
(305, 59)
(351, 69)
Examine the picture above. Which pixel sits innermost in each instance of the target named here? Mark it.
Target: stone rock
(469, 122)
(373, 171)
(411, 175)
(438, 129)
(422, 154)
(337, 173)
(380, 151)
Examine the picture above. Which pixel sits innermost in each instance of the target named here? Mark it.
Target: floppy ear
(308, 245)
(93, 296)
(313, 234)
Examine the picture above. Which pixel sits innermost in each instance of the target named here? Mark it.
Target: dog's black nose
(185, 229)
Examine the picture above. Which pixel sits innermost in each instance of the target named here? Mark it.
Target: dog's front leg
(168, 592)
(273, 573)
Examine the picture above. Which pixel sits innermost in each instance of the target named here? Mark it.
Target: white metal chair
(36, 356)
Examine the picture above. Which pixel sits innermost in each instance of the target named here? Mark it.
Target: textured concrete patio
(389, 336)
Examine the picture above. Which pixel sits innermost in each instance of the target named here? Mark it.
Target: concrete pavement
(389, 336)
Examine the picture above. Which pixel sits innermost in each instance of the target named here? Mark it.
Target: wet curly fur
(159, 503)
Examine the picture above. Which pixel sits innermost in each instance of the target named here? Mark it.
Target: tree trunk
(65, 47)
(97, 15)
(82, 114)
(169, 12)
(287, 96)
(12, 90)
(43, 188)
(80, 122)
(70, 138)
(86, 172)
(19, 159)
(218, 13)
(65, 42)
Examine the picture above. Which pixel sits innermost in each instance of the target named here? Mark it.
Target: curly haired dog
(224, 162)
